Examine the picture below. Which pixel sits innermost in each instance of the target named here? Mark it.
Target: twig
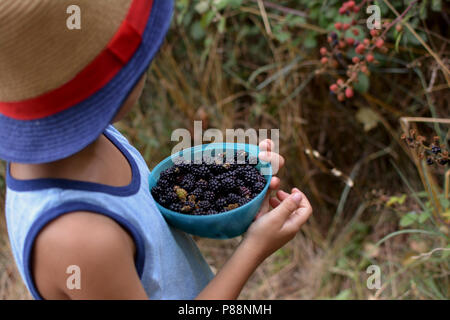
(264, 17)
(426, 255)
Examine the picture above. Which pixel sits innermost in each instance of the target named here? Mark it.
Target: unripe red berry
(356, 9)
(350, 4)
(349, 92)
(360, 49)
(355, 60)
(355, 32)
(340, 82)
(329, 39)
(342, 10)
(324, 60)
(334, 87)
(354, 22)
(370, 58)
(379, 43)
(345, 26)
(341, 97)
(342, 44)
(323, 51)
(398, 27)
(374, 32)
(338, 25)
(365, 69)
(350, 41)
(366, 42)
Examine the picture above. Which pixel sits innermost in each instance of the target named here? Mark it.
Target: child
(77, 191)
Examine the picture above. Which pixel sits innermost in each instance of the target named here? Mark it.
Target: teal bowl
(223, 225)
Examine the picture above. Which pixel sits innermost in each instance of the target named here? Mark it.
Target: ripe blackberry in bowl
(215, 198)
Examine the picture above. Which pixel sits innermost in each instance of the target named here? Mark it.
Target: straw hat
(60, 87)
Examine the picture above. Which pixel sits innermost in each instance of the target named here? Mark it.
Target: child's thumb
(288, 205)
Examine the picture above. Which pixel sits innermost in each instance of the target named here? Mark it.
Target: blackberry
(164, 183)
(156, 191)
(209, 196)
(198, 193)
(198, 212)
(435, 149)
(227, 184)
(443, 162)
(245, 192)
(214, 185)
(258, 187)
(221, 203)
(175, 206)
(250, 177)
(233, 198)
(201, 184)
(200, 171)
(430, 161)
(204, 205)
(239, 183)
(244, 200)
(188, 182)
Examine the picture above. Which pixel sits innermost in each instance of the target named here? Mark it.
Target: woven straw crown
(39, 53)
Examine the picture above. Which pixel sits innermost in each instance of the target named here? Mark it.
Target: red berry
(354, 22)
(366, 41)
(323, 51)
(342, 44)
(329, 39)
(350, 4)
(356, 9)
(360, 49)
(341, 97)
(350, 41)
(355, 32)
(349, 92)
(334, 87)
(379, 43)
(364, 69)
(345, 26)
(370, 58)
(374, 32)
(324, 60)
(342, 10)
(338, 25)
(340, 82)
(355, 60)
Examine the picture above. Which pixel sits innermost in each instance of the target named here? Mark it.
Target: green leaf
(408, 219)
(197, 31)
(363, 83)
(436, 5)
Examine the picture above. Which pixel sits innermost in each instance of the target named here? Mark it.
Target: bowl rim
(201, 147)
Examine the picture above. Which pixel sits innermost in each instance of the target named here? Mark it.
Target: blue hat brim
(68, 132)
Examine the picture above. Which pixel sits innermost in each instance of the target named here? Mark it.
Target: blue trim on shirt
(67, 208)
(48, 183)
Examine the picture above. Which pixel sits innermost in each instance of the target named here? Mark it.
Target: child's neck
(93, 164)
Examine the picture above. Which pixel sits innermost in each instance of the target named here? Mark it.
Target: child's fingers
(287, 207)
(274, 183)
(275, 160)
(266, 145)
(274, 202)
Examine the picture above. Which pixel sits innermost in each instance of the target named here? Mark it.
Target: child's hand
(271, 230)
(267, 154)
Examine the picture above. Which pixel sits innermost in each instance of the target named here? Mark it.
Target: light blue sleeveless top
(168, 261)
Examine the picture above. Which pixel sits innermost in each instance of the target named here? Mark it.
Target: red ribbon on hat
(92, 78)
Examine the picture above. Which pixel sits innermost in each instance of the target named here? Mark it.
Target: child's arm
(105, 252)
(267, 234)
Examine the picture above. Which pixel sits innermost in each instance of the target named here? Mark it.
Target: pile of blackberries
(211, 185)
